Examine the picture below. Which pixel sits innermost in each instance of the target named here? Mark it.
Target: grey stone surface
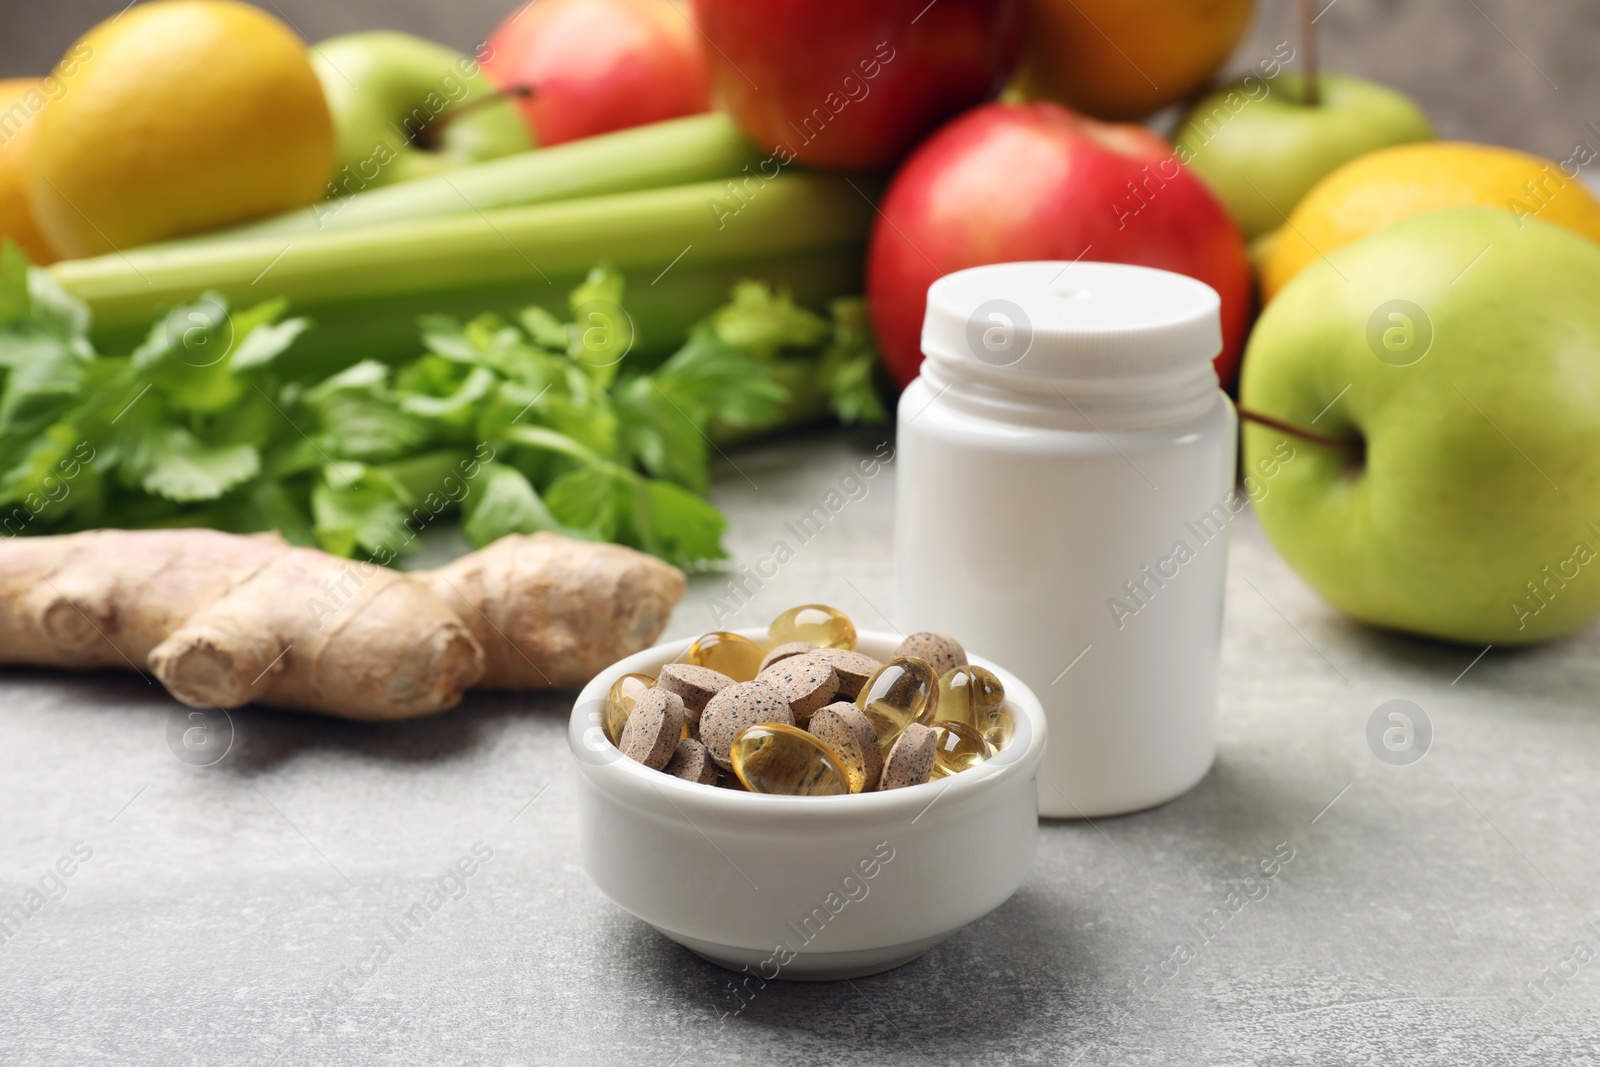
(222, 905)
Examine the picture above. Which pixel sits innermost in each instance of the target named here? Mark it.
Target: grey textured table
(228, 915)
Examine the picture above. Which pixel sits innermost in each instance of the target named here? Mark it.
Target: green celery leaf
(198, 334)
(510, 355)
(360, 418)
(457, 408)
(432, 375)
(513, 402)
(550, 441)
(43, 383)
(370, 430)
(445, 471)
(357, 508)
(592, 424)
(502, 502)
(265, 343)
(267, 504)
(255, 420)
(15, 305)
(487, 332)
(178, 466)
(57, 312)
(40, 390)
(708, 379)
(367, 375)
(638, 522)
(193, 355)
(587, 499)
(849, 365)
(602, 332)
(32, 304)
(49, 469)
(601, 283)
(442, 336)
(344, 473)
(292, 455)
(762, 321)
(22, 349)
(854, 392)
(662, 437)
(245, 320)
(544, 329)
(689, 527)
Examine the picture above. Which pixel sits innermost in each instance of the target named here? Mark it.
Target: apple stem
(428, 136)
(1338, 444)
(1311, 91)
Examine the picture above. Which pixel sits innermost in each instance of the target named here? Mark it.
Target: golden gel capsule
(819, 624)
(619, 703)
(971, 695)
(773, 758)
(1000, 729)
(901, 692)
(957, 747)
(737, 657)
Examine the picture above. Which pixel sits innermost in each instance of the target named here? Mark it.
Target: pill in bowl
(799, 817)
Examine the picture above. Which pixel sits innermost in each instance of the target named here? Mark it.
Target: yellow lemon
(21, 100)
(175, 117)
(1395, 183)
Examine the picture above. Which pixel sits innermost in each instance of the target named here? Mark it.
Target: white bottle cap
(1071, 321)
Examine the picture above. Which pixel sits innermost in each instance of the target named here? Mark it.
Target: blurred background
(1504, 71)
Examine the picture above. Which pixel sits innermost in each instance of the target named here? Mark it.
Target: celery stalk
(676, 152)
(427, 264)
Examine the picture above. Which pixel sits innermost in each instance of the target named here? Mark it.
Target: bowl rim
(629, 780)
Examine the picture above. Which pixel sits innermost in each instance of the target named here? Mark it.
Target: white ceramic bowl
(805, 887)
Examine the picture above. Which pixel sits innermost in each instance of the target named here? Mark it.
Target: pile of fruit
(717, 185)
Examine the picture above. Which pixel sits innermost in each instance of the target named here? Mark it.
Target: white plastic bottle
(1064, 489)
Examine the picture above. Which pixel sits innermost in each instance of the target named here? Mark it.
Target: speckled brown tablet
(910, 760)
(940, 650)
(843, 728)
(784, 651)
(653, 728)
(805, 683)
(691, 762)
(853, 669)
(732, 709)
(695, 685)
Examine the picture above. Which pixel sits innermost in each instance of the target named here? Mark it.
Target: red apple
(1012, 182)
(593, 66)
(855, 84)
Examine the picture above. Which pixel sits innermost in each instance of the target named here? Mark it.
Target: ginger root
(225, 620)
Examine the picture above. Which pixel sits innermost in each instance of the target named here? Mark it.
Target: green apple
(395, 100)
(1260, 149)
(1462, 351)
